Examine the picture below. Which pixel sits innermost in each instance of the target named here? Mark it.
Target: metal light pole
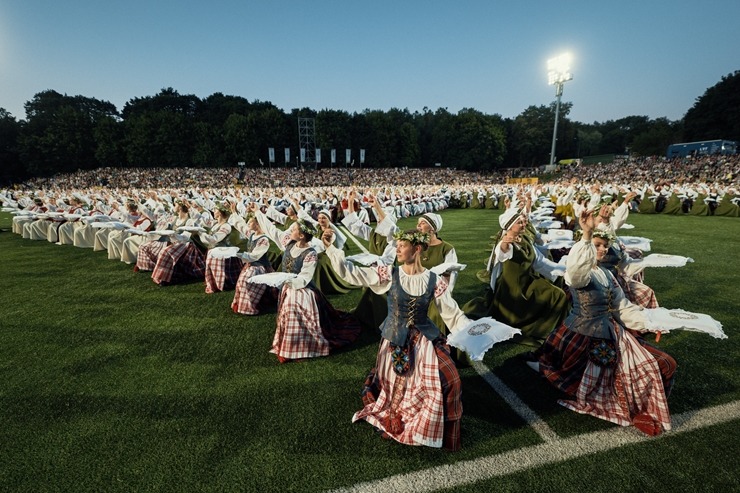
(558, 73)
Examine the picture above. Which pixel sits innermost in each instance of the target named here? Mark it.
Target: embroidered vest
(406, 311)
(593, 309)
(294, 265)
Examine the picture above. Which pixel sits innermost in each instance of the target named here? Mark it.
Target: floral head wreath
(224, 208)
(306, 227)
(415, 238)
(600, 233)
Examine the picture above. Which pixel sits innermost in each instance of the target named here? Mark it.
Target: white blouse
(379, 279)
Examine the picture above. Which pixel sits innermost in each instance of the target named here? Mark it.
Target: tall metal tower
(307, 140)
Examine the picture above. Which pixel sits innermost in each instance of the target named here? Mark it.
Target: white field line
(513, 400)
(552, 452)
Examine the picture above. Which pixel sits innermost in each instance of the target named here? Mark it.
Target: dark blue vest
(406, 311)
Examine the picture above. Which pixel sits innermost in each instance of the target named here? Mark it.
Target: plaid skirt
(630, 392)
(422, 407)
(308, 326)
(638, 293)
(179, 262)
(247, 296)
(146, 259)
(222, 273)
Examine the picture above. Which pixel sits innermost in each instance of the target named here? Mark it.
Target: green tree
(716, 113)
(11, 168)
(656, 138)
(59, 133)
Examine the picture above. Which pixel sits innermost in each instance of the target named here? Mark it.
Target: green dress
(673, 206)
(727, 208)
(699, 208)
(523, 298)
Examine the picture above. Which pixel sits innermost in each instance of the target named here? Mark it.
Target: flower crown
(223, 207)
(307, 228)
(600, 233)
(415, 238)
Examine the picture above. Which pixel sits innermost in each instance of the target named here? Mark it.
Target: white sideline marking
(483, 468)
(513, 400)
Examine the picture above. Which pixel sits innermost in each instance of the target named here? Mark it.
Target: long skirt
(146, 259)
(308, 326)
(66, 232)
(179, 262)
(130, 248)
(85, 237)
(37, 230)
(249, 296)
(630, 390)
(222, 273)
(421, 407)
(101, 239)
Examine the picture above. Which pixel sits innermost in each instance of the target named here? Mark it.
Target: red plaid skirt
(179, 262)
(631, 392)
(148, 254)
(222, 273)
(308, 326)
(247, 295)
(425, 403)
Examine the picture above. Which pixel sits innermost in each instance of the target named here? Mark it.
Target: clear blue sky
(648, 57)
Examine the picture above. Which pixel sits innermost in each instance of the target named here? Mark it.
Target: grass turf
(111, 383)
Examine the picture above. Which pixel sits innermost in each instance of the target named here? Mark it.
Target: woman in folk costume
(148, 253)
(623, 262)
(412, 395)
(522, 293)
(186, 260)
(137, 220)
(307, 325)
(102, 234)
(64, 234)
(325, 279)
(594, 357)
(248, 296)
(372, 308)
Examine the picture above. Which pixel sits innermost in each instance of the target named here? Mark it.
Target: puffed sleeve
(451, 257)
(377, 278)
(631, 315)
(449, 310)
(239, 224)
(219, 235)
(581, 260)
(355, 226)
(260, 248)
(620, 216)
(277, 236)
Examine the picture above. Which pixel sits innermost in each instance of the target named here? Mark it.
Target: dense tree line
(64, 133)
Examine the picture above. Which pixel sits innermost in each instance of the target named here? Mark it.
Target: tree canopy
(64, 133)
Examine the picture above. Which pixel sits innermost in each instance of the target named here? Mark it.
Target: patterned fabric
(631, 392)
(247, 296)
(637, 292)
(222, 273)
(429, 409)
(307, 325)
(146, 259)
(179, 262)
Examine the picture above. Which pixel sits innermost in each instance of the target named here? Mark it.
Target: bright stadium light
(558, 73)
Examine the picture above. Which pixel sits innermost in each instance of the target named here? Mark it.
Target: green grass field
(111, 383)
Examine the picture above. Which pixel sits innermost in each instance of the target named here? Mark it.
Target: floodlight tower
(558, 73)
